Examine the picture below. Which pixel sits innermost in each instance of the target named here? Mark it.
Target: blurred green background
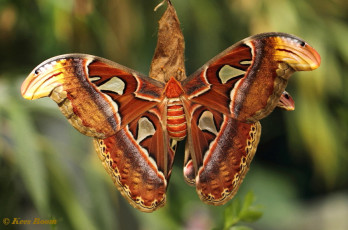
(48, 170)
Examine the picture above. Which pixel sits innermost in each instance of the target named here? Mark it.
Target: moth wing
(139, 159)
(247, 80)
(97, 96)
(220, 151)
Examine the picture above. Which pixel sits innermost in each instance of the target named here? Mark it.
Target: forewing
(97, 96)
(247, 80)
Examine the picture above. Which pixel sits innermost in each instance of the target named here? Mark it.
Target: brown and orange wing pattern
(218, 107)
(123, 110)
(224, 101)
(248, 78)
(227, 160)
(139, 160)
(286, 102)
(224, 147)
(97, 96)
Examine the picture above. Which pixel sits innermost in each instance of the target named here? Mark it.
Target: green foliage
(28, 156)
(237, 212)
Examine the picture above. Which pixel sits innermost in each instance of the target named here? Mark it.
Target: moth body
(176, 120)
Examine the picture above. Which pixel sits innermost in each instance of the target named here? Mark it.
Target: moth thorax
(173, 88)
(176, 120)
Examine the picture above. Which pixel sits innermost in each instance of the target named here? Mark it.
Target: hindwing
(139, 160)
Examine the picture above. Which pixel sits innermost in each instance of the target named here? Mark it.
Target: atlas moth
(137, 120)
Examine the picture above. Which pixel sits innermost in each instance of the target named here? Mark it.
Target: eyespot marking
(228, 72)
(145, 129)
(206, 122)
(245, 62)
(115, 85)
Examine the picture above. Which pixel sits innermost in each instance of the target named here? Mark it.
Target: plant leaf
(232, 213)
(251, 215)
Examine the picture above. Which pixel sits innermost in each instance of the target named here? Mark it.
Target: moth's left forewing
(248, 78)
(212, 84)
(275, 57)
